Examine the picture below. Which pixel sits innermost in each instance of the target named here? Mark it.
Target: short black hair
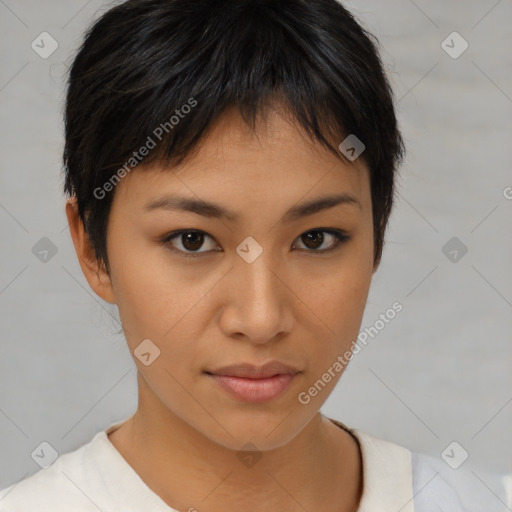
(166, 70)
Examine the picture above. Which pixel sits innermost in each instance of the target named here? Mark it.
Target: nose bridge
(259, 302)
(259, 282)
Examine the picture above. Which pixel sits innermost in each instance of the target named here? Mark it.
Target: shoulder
(431, 490)
(62, 486)
(425, 483)
(464, 489)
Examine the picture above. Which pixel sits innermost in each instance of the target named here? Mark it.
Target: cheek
(151, 294)
(160, 308)
(335, 301)
(339, 304)
(338, 310)
(339, 289)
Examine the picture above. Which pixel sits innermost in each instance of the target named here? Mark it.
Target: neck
(319, 467)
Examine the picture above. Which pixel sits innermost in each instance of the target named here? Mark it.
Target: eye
(315, 238)
(187, 240)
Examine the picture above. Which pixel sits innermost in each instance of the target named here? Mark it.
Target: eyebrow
(213, 210)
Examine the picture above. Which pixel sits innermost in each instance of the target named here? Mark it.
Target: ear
(96, 275)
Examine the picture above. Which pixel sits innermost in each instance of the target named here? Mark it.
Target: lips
(250, 371)
(255, 384)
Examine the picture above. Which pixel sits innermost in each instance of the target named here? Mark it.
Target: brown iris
(192, 241)
(313, 237)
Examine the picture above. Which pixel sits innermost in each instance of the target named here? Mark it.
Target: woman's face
(255, 285)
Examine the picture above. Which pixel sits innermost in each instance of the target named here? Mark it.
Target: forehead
(277, 163)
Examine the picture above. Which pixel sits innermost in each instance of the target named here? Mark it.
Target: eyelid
(175, 234)
(340, 235)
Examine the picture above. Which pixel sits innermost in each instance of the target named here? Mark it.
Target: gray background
(439, 372)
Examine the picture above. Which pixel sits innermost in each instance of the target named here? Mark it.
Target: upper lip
(255, 372)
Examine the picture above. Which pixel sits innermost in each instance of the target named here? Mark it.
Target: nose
(259, 301)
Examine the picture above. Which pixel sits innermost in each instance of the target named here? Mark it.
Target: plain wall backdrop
(438, 372)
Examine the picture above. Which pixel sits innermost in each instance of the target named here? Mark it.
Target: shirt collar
(387, 474)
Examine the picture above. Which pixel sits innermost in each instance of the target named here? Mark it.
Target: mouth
(249, 383)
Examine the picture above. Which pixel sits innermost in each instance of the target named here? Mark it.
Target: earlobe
(96, 275)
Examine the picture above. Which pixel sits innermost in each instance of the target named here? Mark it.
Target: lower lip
(254, 390)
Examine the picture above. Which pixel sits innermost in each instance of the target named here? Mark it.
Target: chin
(267, 430)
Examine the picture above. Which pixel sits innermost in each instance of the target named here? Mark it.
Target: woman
(230, 167)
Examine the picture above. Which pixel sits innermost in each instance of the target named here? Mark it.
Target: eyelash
(340, 238)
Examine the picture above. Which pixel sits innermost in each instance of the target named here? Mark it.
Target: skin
(293, 304)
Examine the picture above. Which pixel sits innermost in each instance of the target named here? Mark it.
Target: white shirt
(96, 477)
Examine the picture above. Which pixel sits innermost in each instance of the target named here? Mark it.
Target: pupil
(195, 239)
(314, 236)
